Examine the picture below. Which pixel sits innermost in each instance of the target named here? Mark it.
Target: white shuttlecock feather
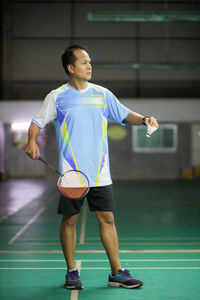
(150, 130)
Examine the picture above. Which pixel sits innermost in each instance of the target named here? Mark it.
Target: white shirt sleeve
(47, 112)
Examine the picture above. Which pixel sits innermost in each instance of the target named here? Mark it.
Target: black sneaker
(73, 281)
(124, 279)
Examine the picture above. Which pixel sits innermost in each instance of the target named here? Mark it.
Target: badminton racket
(72, 184)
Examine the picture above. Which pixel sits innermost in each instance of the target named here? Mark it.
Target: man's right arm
(32, 147)
(46, 114)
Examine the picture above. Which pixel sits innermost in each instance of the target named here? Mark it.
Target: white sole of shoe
(117, 284)
(73, 288)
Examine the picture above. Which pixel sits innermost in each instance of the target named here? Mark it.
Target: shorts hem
(111, 209)
(98, 199)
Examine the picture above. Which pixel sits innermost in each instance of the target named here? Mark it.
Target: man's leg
(118, 277)
(109, 238)
(68, 239)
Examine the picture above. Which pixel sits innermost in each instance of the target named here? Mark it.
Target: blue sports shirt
(80, 118)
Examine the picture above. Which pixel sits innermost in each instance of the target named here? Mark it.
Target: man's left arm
(136, 119)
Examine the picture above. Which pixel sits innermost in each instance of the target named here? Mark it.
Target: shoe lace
(73, 275)
(127, 272)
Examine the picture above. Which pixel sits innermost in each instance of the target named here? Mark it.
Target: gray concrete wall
(124, 162)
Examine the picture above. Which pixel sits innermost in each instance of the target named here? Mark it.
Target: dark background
(165, 53)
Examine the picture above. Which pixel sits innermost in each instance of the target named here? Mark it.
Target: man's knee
(105, 217)
(70, 221)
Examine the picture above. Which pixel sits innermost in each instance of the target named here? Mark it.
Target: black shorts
(99, 198)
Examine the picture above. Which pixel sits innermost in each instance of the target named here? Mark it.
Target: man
(80, 111)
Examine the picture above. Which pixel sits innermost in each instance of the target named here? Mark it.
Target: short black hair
(68, 56)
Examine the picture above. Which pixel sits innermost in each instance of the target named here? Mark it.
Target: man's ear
(70, 68)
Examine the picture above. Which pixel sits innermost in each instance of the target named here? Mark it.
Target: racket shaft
(49, 166)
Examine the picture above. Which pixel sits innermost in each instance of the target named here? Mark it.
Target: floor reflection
(17, 193)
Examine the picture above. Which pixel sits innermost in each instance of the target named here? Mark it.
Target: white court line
(162, 251)
(150, 268)
(28, 202)
(150, 239)
(82, 241)
(74, 294)
(83, 225)
(13, 239)
(151, 244)
(36, 243)
(100, 251)
(96, 260)
(39, 238)
(122, 238)
(32, 220)
(33, 268)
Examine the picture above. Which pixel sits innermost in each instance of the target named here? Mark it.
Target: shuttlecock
(150, 130)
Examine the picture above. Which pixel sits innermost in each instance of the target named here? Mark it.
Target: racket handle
(37, 156)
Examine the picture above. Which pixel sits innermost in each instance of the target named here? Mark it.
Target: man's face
(81, 69)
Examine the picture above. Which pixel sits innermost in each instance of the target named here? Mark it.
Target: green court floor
(158, 225)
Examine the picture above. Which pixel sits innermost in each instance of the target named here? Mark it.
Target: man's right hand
(31, 149)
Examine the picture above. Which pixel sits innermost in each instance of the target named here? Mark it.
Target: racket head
(73, 184)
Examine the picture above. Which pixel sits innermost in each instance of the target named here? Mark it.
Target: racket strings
(73, 184)
(73, 179)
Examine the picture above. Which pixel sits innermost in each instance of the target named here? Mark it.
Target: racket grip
(37, 156)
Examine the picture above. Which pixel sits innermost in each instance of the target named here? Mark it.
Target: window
(162, 140)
